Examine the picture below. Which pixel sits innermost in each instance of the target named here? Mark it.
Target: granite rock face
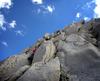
(70, 54)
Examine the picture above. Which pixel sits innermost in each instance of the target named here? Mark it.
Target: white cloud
(19, 32)
(4, 43)
(2, 22)
(37, 1)
(50, 8)
(3, 28)
(97, 9)
(47, 9)
(38, 10)
(12, 24)
(42, 8)
(78, 15)
(88, 5)
(5, 4)
(86, 18)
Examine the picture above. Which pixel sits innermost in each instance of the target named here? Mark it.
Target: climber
(33, 50)
(30, 59)
(47, 36)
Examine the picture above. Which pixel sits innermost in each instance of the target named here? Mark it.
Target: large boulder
(43, 72)
(18, 73)
(45, 52)
(12, 64)
(79, 59)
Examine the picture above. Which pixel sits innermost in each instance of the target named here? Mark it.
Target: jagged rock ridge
(70, 54)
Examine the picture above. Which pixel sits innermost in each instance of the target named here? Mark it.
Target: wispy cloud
(4, 43)
(19, 32)
(37, 1)
(12, 24)
(88, 5)
(5, 4)
(50, 8)
(96, 9)
(2, 22)
(87, 11)
(43, 8)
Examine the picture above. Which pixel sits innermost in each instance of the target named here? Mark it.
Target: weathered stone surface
(70, 54)
(43, 72)
(19, 73)
(74, 28)
(45, 52)
(79, 58)
(12, 64)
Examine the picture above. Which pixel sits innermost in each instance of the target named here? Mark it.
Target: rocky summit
(70, 54)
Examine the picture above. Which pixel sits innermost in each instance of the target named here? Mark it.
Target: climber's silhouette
(30, 59)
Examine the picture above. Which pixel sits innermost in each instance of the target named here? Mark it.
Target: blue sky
(23, 22)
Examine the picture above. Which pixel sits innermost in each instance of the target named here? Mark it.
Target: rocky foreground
(70, 54)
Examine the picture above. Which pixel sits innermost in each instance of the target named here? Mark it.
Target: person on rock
(30, 59)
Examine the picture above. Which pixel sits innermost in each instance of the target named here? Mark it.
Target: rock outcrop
(70, 54)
